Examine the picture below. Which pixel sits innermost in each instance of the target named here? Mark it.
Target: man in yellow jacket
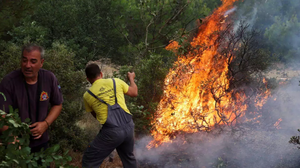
(106, 102)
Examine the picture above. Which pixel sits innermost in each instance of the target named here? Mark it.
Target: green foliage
(295, 140)
(279, 22)
(282, 37)
(11, 12)
(29, 31)
(139, 117)
(83, 26)
(149, 26)
(122, 72)
(16, 153)
(10, 57)
(150, 75)
(130, 32)
(60, 60)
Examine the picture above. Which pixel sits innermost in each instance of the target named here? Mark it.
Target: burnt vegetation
(246, 58)
(250, 132)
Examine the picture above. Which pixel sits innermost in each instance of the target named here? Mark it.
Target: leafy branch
(14, 146)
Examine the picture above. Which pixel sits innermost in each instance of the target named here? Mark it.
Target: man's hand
(131, 76)
(39, 129)
(132, 90)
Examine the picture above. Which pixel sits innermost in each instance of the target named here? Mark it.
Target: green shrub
(60, 60)
(18, 154)
(10, 57)
(150, 75)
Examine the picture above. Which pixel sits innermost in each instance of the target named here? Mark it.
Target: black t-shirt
(13, 86)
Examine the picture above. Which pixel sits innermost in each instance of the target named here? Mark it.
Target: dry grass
(114, 163)
(76, 158)
(89, 124)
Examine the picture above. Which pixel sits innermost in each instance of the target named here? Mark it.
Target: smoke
(249, 16)
(256, 148)
(278, 20)
(261, 145)
(230, 11)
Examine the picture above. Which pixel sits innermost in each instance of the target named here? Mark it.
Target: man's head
(32, 60)
(93, 72)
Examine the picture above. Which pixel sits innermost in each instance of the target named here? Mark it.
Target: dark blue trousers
(108, 139)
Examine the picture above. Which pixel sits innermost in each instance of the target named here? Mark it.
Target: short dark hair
(92, 71)
(32, 47)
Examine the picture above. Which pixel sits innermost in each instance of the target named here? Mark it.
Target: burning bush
(217, 81)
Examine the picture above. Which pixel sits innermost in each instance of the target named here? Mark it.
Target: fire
(196, 94)
(276, 125)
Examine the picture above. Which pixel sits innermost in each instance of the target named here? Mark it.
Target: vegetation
(15, 150)
(278, 21)
(133, 34)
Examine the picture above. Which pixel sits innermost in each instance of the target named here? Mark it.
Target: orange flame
(276, 125)
(196, 94)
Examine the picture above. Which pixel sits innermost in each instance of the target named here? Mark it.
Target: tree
(11, 12)
(149, 26)
(84, 26)
(283, 36)
(278, 21)
(64, 131)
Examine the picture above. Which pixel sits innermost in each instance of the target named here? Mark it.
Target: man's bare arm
(133, 89)
(41, 127)
(53, 114)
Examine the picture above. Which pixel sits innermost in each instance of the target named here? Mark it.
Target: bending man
(105, 101)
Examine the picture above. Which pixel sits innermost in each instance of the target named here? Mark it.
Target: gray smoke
(247, 148)
(279, 21)
(258, 146)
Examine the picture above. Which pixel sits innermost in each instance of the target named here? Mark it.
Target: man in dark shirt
(31, 90)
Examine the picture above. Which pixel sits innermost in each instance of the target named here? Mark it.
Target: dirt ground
(107, 163)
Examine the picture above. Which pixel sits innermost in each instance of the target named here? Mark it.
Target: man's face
(31, 63)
